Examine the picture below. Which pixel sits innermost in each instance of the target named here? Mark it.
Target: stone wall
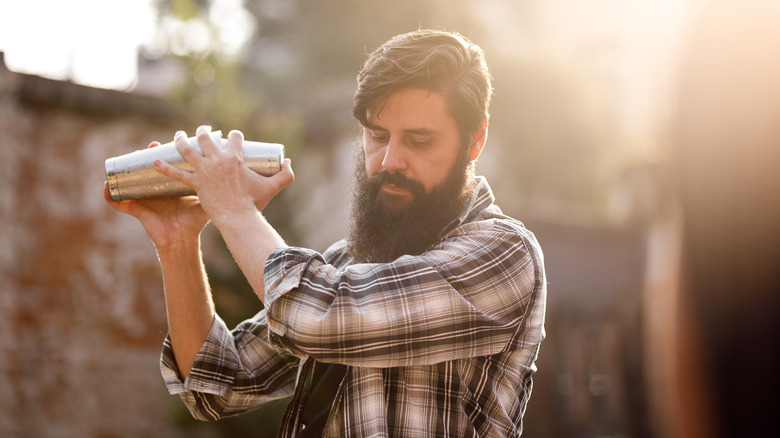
(82, 315)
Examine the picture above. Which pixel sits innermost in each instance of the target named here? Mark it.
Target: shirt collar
(481, 198)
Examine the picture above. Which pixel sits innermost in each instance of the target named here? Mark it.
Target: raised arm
(174, 226)
(232, 197)
(477, 293)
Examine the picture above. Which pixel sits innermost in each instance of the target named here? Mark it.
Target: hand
(224, 184)
(166, 221)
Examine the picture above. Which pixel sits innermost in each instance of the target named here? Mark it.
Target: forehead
(411, 108)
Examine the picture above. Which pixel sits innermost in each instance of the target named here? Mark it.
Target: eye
(378, 136)
(419, 142)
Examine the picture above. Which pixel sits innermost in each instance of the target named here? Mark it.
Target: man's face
(411, 179)
(411, 134)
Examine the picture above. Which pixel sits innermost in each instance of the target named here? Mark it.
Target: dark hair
(429, 59)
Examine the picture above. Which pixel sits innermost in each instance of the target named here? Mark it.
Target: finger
(207, 144)
(153, 144)
(179, 134)
(187, 151)
(121, 206)
(235, 143)
(107, 195)
(173, 172)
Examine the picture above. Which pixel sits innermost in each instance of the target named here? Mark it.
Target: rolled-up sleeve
(233, 372)
(469, 295)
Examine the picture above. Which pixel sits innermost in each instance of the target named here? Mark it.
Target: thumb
(285, 176)
(264, 188)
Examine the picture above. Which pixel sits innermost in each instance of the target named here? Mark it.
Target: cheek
(373, 161)
(433, 171)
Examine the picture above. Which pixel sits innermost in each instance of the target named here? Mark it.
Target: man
(426, 321)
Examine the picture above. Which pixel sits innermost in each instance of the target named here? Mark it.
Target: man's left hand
(221, 179)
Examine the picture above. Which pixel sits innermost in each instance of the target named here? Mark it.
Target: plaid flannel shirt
(438, 344)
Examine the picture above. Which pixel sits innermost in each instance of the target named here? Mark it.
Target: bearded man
(425, 321)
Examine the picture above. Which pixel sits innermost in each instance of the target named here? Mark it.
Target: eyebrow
(416, 131)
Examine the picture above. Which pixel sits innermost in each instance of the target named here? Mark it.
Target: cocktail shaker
(131, 176)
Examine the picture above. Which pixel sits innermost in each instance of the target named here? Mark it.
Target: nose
(395, 157)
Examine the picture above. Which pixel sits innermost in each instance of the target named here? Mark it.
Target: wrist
(237, 217)
(182, 244)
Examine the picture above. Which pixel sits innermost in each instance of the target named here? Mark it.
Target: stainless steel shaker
(131, 176)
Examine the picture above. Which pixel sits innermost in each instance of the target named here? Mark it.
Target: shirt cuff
(213, 347)
(284, 270)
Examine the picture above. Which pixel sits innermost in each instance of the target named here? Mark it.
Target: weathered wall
(81, 309)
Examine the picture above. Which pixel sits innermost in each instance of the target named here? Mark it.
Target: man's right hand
(166, 221)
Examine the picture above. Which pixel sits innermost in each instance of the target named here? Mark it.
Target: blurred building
(591, 374)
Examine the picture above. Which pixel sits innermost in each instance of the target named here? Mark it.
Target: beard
(383, 229)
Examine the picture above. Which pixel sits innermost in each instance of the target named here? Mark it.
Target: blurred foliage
(212, 89)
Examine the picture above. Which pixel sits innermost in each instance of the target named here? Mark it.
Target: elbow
(204, 407)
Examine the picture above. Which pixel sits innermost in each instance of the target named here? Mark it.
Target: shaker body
(131, 176)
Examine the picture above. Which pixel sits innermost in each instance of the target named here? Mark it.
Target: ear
(477, 142)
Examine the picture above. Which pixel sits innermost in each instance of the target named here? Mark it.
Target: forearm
(188, 300)
(418, 310)
(230, 195)
(251, 240)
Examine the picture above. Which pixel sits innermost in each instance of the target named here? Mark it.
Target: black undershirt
(325, 384)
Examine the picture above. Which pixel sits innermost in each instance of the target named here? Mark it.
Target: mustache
(396, 179)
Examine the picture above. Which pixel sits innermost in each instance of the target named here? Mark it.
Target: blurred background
(638, 139)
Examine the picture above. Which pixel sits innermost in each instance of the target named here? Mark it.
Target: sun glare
(92, 42)
(96, 42)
